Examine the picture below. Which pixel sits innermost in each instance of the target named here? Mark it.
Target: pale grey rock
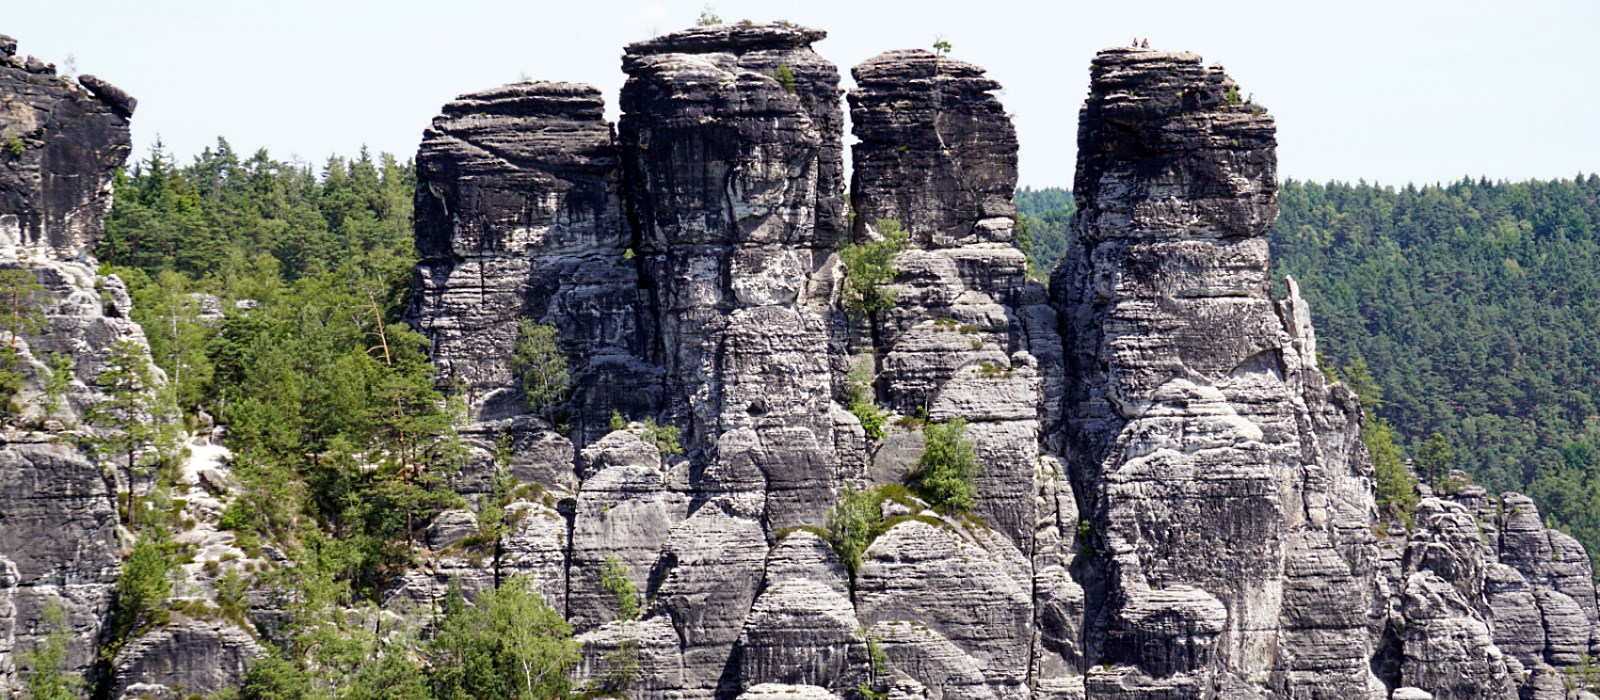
(450, 527)
(937, 153)
(626, 512)
(712, 566)
(802, 631)
(933, 576)
(536, 547)
(1448, 649)
(654, 644)
(1210, 456)
(783, 691)
(1514, 608)
(183, 660)
(941, 668)
(803, 555)
(735, 237)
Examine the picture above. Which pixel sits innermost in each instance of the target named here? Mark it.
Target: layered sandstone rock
(58, 545)
(1228, 500)
(1173, 502)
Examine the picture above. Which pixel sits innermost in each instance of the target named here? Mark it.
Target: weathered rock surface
(1173, 502)
(59, 543)
(969, 336)
(1198, 434)
(184, 660)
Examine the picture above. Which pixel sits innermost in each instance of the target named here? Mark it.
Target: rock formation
(1229, 501)
(1172, 501)
(60, 144)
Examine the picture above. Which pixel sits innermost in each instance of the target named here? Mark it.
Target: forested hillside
(1476, 306)
(271, 296)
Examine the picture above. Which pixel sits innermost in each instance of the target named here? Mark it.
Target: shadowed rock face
(54, 194)
(519, 214)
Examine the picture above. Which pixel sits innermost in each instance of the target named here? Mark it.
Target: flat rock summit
(1173, 501)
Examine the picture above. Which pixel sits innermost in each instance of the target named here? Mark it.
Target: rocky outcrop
(1172, 502)
(1228, 503)
(60, 144)
(938, 156)
(183, 660)
(731, 141)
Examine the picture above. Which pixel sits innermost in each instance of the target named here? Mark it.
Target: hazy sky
(1392, 91)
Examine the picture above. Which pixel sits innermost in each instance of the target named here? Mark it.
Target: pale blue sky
(1392, 91)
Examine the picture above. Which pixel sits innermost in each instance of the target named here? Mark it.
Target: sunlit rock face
(1229, 498)
(61, 142)
(1172, 501)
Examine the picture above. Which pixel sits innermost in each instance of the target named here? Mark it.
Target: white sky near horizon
(1390, 91)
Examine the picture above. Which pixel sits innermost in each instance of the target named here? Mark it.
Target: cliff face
(1172, 502)
(1230, 506)
(58, 517)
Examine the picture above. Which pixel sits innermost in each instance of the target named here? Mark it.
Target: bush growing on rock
(860, 395)
(615, 580)
(851, 525)
(949, 465)
(539, 363)
(869, 270)
(143, 587)
(664, 437)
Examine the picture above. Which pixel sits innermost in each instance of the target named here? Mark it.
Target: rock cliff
(1229, 500)
(60, 144)
(1172, 501)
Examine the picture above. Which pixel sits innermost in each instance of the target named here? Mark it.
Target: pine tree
(128, 417)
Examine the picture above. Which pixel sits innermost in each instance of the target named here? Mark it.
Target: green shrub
(43, 663)
(860, 396)
(617, 421)
(510, 643)
(15, 146)
(142, 589)
(665, 437)
(615, 580)
(869, 270)
(785, 77)
(539, 363)
(851, 524)
(949, 465)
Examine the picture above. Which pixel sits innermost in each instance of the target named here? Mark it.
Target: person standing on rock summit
(1144, 44)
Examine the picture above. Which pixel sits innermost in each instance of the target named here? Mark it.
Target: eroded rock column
(732, 139)
(1228, 510)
